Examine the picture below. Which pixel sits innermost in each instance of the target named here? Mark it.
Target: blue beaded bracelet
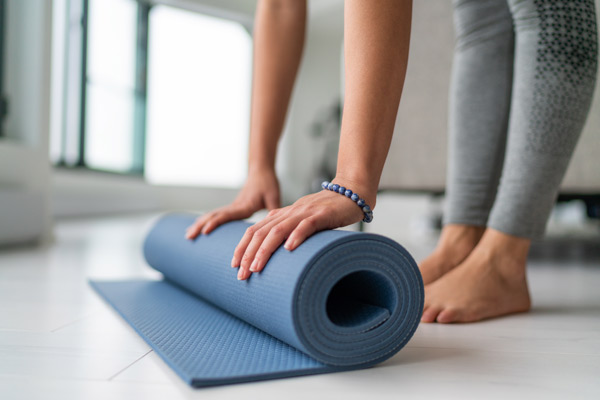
(334, 187)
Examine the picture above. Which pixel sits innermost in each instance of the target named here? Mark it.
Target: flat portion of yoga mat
(342, 300)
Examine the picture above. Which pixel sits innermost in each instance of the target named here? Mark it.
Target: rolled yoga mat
(340, 301)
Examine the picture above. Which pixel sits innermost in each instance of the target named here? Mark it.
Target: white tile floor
(58, 340)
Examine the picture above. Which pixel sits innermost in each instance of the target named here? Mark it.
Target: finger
(196, 227)
(307, 227)
(225, 216)
(274, 239)
(248, 257)
(273, 212)
(245, 241)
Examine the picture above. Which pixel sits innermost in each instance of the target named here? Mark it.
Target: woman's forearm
(376, 42)
(278, 41)
(376, 50)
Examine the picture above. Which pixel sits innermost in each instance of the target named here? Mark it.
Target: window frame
(140, 94)
(3, 100)
(144, 8)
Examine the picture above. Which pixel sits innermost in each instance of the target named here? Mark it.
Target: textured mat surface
(342, 300)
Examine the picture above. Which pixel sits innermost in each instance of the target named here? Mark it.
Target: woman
(523, 77)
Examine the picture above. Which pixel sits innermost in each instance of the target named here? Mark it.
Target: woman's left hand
(310, 214)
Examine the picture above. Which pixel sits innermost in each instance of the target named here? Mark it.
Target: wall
(24, 166)
(80, 193)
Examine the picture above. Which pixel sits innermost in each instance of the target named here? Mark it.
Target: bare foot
(455, 244)
(490, 282)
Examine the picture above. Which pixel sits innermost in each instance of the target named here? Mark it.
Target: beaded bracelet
(334, 187)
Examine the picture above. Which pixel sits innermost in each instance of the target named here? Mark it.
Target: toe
(430, 313)
(447, 316)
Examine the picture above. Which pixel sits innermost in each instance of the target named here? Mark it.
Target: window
(198, 99)
(110, 85)
(165, 93)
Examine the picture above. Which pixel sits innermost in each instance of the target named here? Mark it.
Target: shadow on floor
(570, 310)
(417, 355)
(566, 249)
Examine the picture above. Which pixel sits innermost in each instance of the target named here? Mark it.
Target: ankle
(460, 237)
(500, 244)
(506, 253)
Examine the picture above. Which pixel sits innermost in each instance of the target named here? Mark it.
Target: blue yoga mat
(340, 301)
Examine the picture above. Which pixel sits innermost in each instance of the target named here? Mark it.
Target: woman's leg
(479, 108)
(555, 72)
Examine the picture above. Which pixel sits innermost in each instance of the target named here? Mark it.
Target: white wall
(24, 166)
(27, 70)
(81, 193)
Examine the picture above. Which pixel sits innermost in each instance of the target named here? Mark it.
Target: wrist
(258, 168)
(360, 201)
(366, 190)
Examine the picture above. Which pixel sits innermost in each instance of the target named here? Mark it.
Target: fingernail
(240, 274)
(254, 265)
(233, 263)
(289, 245)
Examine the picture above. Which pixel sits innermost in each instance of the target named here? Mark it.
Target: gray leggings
(522, 83)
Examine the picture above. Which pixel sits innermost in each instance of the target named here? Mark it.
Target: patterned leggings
(522, 82)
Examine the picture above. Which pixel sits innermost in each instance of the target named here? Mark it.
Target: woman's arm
(376, 41)
(278, 42)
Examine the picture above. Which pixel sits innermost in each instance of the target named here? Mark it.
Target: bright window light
(111, 85)
(199, 73)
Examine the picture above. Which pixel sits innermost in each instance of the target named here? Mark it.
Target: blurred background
(112, 107)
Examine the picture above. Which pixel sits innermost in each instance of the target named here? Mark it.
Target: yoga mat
(340, 301)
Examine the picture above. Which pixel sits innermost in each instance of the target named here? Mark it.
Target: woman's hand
(261, 190)
(310, 214)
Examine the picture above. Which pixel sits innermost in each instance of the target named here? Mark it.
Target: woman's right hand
(260, 191)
